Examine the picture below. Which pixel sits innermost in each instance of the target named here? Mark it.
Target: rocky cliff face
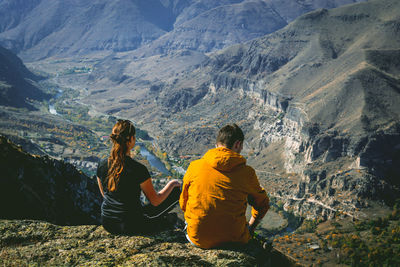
(43, 188)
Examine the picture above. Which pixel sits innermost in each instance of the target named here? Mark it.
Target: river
(153, 160)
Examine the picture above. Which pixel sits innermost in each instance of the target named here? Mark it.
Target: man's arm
(253, 222)
(185, 188)
(259, 201)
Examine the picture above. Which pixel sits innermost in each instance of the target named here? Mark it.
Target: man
(216, 190)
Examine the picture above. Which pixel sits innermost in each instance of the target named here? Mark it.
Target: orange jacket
(216, 189)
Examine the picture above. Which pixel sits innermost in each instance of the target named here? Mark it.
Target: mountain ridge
(56, 28)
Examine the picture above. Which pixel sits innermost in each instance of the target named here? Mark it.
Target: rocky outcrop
(26, 242)
(39, 187)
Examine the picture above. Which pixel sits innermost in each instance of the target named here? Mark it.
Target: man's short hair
(229, 134)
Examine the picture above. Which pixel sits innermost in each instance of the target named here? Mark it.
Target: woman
(121, 180)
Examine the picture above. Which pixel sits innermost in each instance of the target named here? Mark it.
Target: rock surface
(25, 242)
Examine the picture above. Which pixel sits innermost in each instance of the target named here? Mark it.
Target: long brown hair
(122, 132)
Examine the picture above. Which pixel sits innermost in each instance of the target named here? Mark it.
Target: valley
(82, 130)
(317, 95)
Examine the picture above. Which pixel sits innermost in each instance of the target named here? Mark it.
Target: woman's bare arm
(100, 186)
(154, 197)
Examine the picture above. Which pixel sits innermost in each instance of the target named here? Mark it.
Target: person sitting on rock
(121, 180)
(216, 191)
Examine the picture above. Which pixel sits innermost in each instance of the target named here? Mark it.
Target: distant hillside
(81, 27)
(17, 83)
(45, 189)
(37, 29)
(211, 25)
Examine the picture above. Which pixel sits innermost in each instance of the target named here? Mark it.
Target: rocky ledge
(28, 242)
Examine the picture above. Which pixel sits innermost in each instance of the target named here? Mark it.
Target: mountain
(43, 188)
(38, 29)
(318, 100)
(211, 25)
(17, 83)
(219, 27)
(66, 27)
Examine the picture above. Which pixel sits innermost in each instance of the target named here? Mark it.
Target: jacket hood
(223, 159)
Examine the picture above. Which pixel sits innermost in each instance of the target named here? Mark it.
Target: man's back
(214, 198)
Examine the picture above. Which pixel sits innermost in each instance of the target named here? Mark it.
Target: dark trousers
(153, 219)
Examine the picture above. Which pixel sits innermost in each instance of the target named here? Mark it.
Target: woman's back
(124, 202)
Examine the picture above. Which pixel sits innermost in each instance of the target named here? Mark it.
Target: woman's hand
(174, 183)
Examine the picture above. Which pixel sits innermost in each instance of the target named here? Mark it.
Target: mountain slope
(222, 25)
(60, 27)
(37, 29)
(13, 12)
(17, 83)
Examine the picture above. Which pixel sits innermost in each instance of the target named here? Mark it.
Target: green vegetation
(76, 70)
(308, 226)
(373, 243)
(280, 116)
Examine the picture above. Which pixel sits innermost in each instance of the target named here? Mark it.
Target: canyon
(317, 94)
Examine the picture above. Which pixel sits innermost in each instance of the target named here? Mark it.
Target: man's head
(231, 136)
